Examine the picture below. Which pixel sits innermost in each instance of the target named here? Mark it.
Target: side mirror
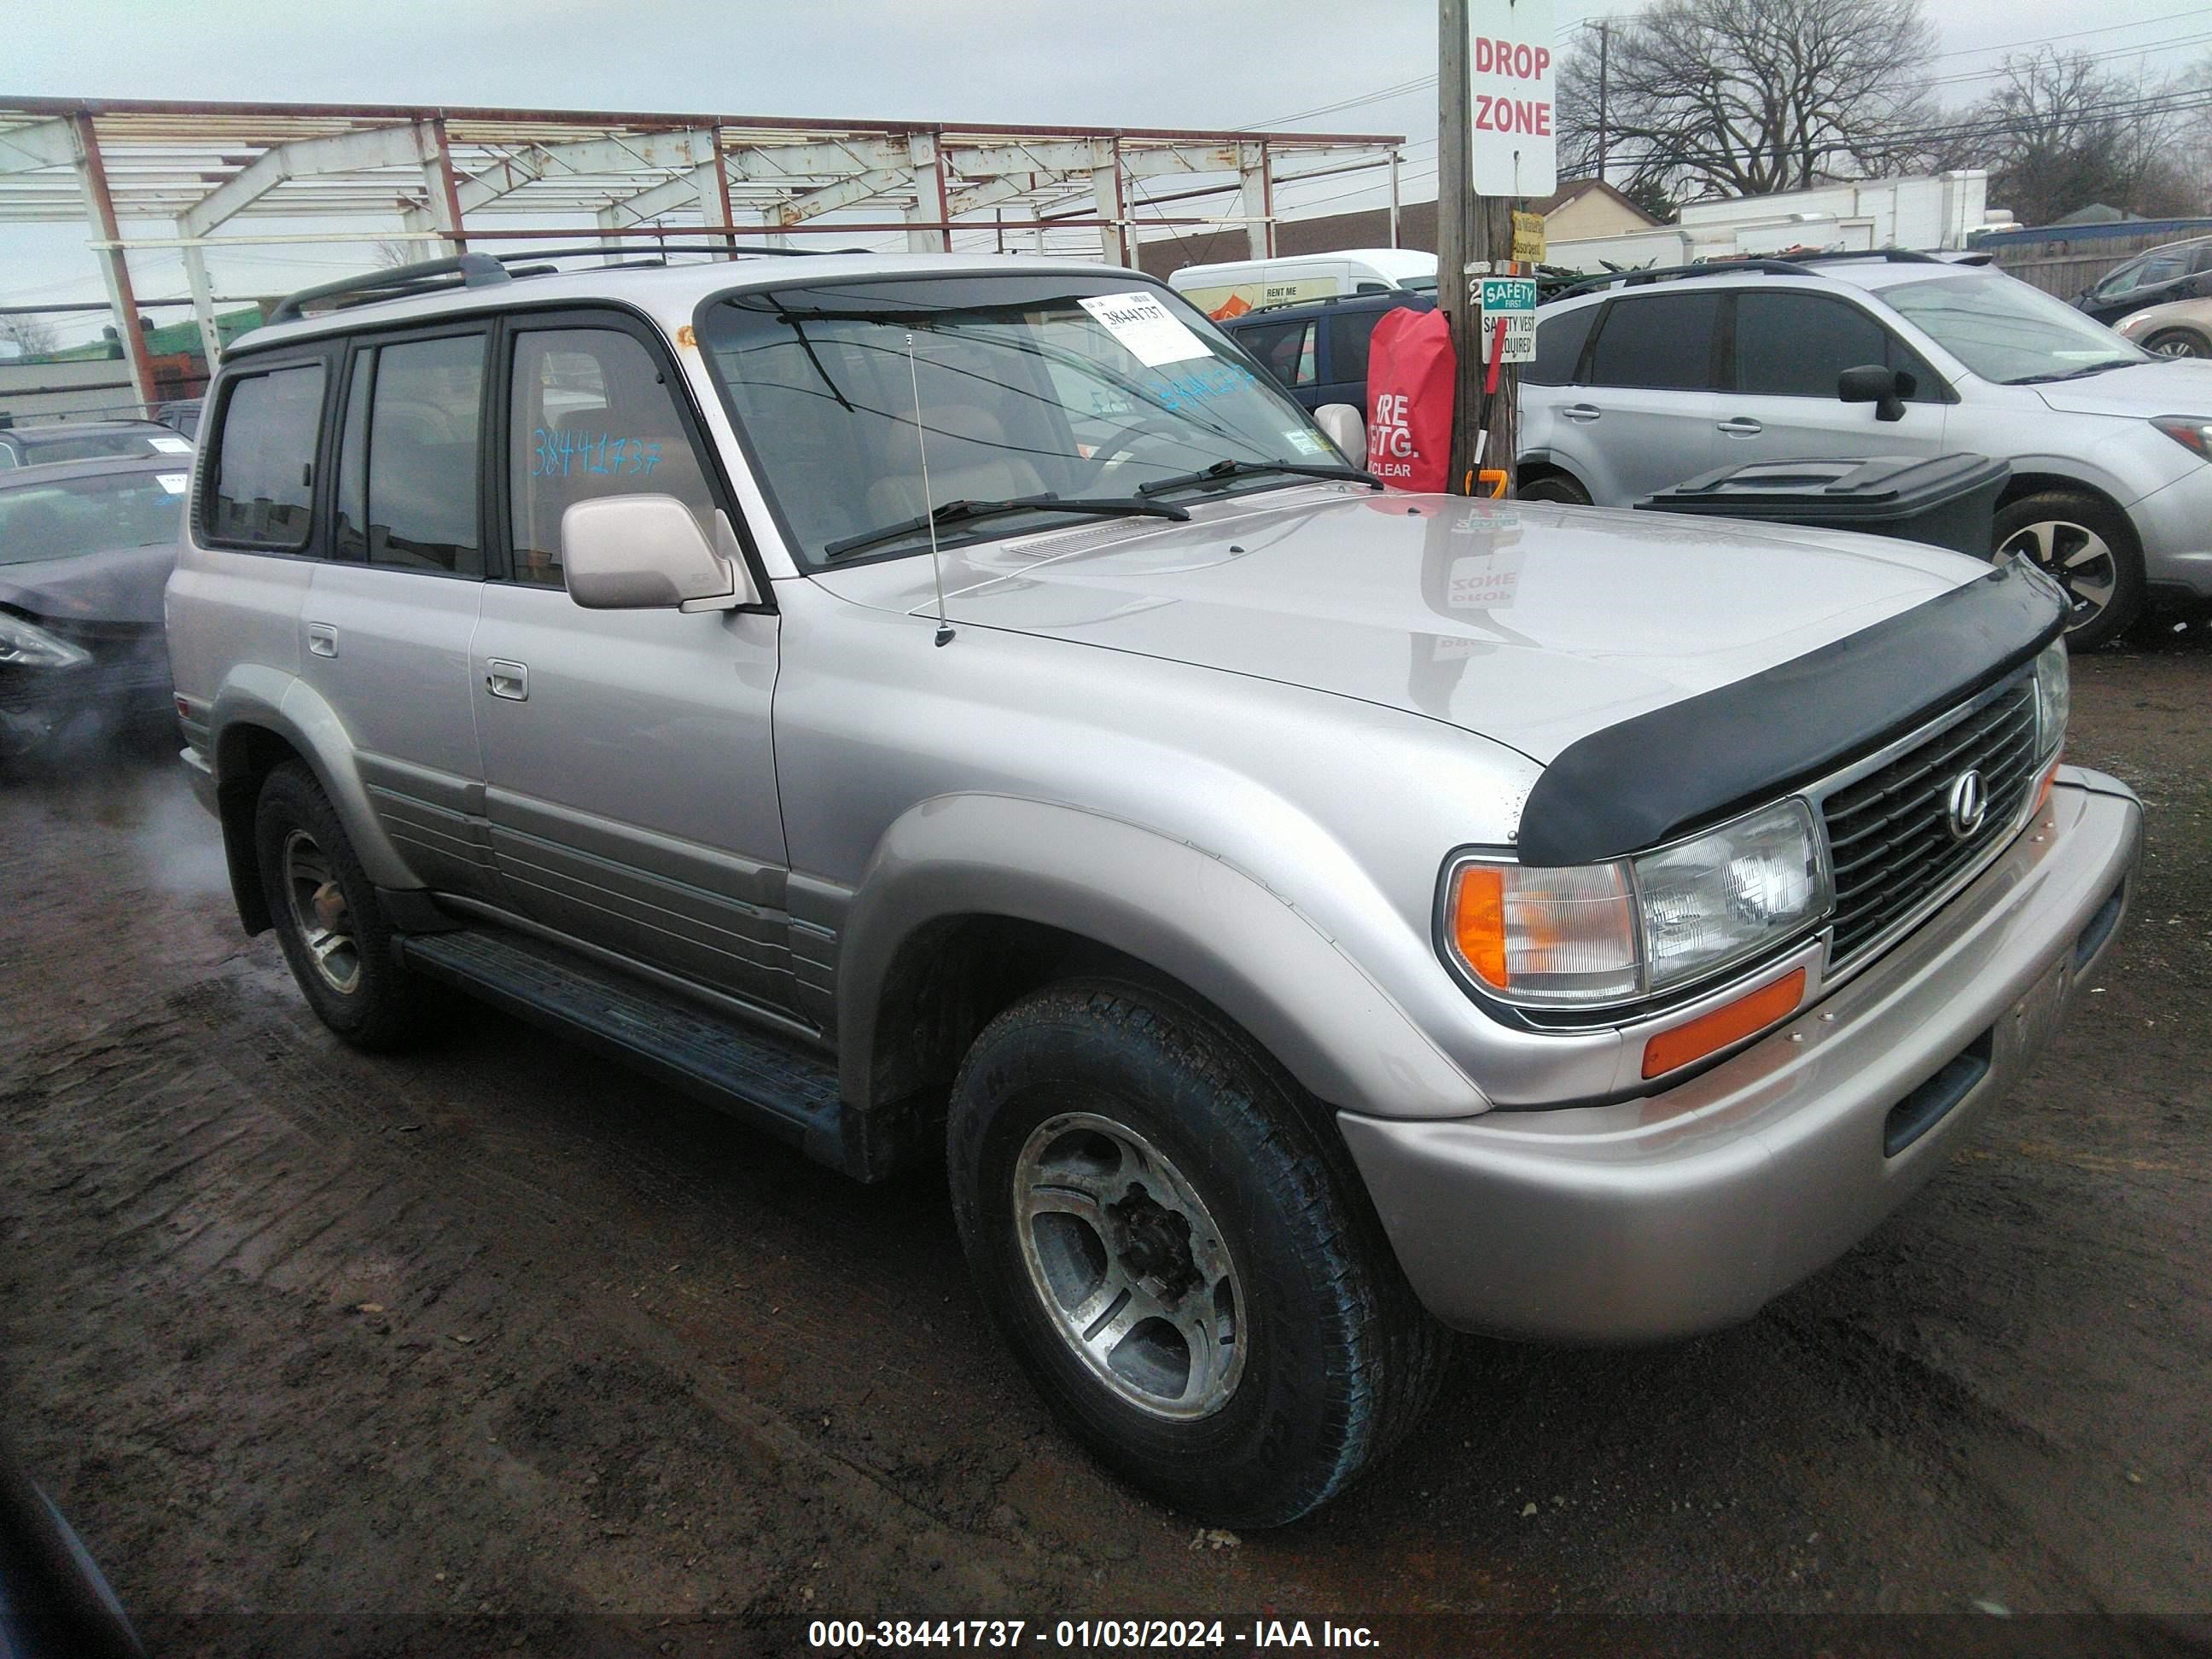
(1343, 426)
(647, 553)
(1886, 389)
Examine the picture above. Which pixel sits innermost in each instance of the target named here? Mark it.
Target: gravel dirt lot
(496, 1329)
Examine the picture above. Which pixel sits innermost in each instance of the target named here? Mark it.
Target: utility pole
(1470, 230)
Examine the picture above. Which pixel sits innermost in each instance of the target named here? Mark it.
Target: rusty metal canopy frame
(448, 176)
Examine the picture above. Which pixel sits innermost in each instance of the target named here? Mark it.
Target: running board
(768, 1082)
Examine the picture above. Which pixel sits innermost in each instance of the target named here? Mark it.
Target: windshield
(67, 516)
(1069, 387)
(2006, 331)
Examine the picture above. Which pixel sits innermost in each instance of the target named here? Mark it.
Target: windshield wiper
(1221, 471)
(2075, 374)
(963, 512)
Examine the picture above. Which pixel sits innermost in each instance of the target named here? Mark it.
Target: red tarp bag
(1410, 367)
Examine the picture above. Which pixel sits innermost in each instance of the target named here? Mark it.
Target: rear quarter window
(1559, 341)
(263, 472)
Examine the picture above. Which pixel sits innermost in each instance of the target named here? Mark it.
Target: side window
(264, 457)
(1348, 339)
(1285, 350)
(590, 415)
(407, 475)
(1795, 345)
(1559, 346)
(1661, 343)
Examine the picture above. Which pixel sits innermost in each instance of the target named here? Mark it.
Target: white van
(1237, 285)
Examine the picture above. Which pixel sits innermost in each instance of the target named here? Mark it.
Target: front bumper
(2175, 527)
(1688, 1210)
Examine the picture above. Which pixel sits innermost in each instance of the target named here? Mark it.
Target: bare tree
(31, 336)
(2059, 134)
(1748, 97)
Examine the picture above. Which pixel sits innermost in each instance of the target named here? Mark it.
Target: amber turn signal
(1730, 1022)
(1479, 922)
(2050, 777)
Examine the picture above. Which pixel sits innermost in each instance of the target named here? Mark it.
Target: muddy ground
(496, 1329)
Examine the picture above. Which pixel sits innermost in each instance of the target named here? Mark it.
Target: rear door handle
(1742, 427)
(322, 640)
(1584, 413)
(506, 679)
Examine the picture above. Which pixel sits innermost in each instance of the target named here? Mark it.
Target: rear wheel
(328, 921)
(1553, 487)
(2179, 343)
(1183, 1265)
(2090, 549)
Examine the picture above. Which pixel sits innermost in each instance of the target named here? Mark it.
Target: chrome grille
(1889, 834)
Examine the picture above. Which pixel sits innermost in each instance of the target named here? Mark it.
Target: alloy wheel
(1129, 1266)
(2076, 557)
(319, 912)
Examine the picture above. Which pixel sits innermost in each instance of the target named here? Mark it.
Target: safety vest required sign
(1512, 124)
(1512, 300)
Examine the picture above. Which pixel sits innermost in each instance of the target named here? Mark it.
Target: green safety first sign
(1512, 300)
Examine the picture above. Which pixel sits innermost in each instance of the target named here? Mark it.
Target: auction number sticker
(169, 446)
(172, 482)
(1153, 334)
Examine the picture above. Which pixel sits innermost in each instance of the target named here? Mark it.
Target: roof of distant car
(47, 473)
(65, 431)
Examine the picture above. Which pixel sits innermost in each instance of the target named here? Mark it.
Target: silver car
(960, 711)
(1637, 388)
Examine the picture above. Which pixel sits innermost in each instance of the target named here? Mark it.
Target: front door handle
(1584, 413)
(1742, 427)
(322, 640)
(506, 679)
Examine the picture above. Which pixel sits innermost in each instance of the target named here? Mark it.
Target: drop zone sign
(1512, 124)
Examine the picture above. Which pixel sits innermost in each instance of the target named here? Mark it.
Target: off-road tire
(1340, 1359)
(388, 1008)
(2017, 521)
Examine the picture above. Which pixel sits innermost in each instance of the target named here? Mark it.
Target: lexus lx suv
(962, 712)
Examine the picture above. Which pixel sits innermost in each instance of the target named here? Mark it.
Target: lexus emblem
(1969, 805)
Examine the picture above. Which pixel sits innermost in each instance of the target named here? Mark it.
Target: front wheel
(1184, 1268)
(2089, 550)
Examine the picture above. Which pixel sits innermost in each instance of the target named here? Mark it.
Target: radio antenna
(929, 508)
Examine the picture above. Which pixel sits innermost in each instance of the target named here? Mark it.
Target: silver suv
(960, 711)
(1648, 382)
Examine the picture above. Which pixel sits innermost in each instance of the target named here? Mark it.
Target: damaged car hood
(121, 587)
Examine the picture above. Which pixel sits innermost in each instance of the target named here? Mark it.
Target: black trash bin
(1950, 501)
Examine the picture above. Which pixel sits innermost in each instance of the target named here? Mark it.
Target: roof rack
(490, 270)
(1795, 264)
(1670, 273)
(1894, 255)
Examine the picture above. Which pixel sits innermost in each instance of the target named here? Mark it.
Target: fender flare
(254, 695)
(1212, 926)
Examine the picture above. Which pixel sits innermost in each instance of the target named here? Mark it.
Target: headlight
(2054, 697)
(1610, 932)
(25, 645)
(2192, 432)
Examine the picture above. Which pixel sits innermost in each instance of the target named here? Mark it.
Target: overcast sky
(1200, 63)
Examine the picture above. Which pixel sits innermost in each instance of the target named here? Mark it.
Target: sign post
(1496, 145)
